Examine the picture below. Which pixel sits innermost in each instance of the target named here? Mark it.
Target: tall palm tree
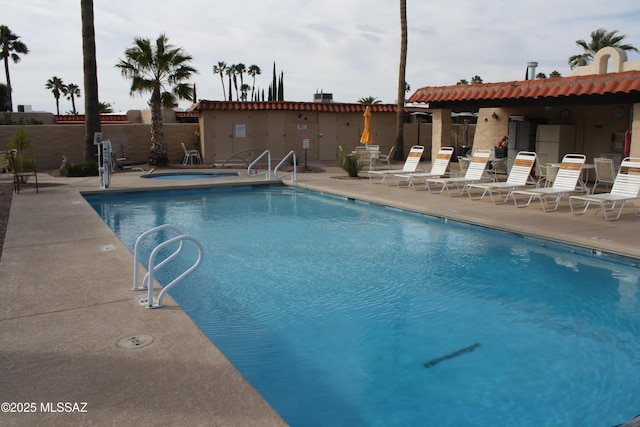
(600, 38)
(10, 46)
(91, 104)
(221, 69)
(72, 90)
(4, 97)
(162, 70)
(244, 90)
(253, 71)
(56, 86)
(401, 81)
(241, 69)
(234, 74)
(231, 75)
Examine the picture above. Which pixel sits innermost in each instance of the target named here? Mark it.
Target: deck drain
(135, 341)
(108, 248)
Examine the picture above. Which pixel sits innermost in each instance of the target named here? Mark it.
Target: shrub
(27, 164)
(352, 164)
(20, 141)
(86, 168)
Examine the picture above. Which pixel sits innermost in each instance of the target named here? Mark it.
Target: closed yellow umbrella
(366, 133)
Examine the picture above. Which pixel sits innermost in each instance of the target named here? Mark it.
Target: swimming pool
(344, 313)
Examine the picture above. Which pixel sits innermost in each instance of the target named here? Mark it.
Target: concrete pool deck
(65, 287)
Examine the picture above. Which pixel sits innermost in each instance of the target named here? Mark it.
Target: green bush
(86, 168)
(352, 164)
(27, 164)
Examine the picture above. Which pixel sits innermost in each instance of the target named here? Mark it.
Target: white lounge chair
(438, 169)
(518, 177)
(475, 173)
(410, 165)
(564, 184)
(625, 189)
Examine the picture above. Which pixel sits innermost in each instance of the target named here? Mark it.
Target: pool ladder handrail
(293, 174)
(266, 173)
(148, 280)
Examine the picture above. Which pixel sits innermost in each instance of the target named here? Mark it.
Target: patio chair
(190, 155)
(368, 154)
(542, 159)
(410, 165)
(438, 169)
(20, 177)
(518, 177)
(386, 158)
(625, 189)
(605, 172)
(498, 166)
(475, 173)
(564, 184)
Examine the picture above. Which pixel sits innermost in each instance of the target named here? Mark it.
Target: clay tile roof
(328, 107)
(625, 85)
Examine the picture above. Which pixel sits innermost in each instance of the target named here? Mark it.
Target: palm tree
(401, 81)
(71, 91)
(105, 107)
(234, 75)
(161, 70)
(244, 90)
(476, 80)
(600, 38)
(220, 69)
(56, 86)
(231, 74)
(11, 46)
(253, 71)
(241, 69)
(4, 97)
(90, 69)
(369, 100)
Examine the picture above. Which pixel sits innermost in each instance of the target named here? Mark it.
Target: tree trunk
(158, 150)
(91, 106)
(6, 73)
(401, 82)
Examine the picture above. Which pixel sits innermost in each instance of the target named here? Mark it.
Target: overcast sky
(350, 48)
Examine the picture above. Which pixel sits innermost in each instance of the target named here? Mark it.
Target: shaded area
(6, 194)
(434, 362)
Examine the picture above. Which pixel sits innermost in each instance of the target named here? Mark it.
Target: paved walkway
(65, 284)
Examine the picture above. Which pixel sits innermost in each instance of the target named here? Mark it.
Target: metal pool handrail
(266, 173)
(293, 174)
(147, 282)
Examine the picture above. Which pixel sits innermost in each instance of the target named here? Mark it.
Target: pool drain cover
(135, 341)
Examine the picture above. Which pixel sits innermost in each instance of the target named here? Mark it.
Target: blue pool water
(331, 308)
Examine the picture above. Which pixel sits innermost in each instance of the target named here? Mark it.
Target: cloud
(348, 48)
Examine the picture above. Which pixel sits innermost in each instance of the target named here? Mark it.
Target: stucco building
(594, 111)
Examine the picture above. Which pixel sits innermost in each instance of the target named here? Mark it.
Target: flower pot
(500, 153)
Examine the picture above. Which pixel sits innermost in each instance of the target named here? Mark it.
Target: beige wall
(283, 131)
(50, 142)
